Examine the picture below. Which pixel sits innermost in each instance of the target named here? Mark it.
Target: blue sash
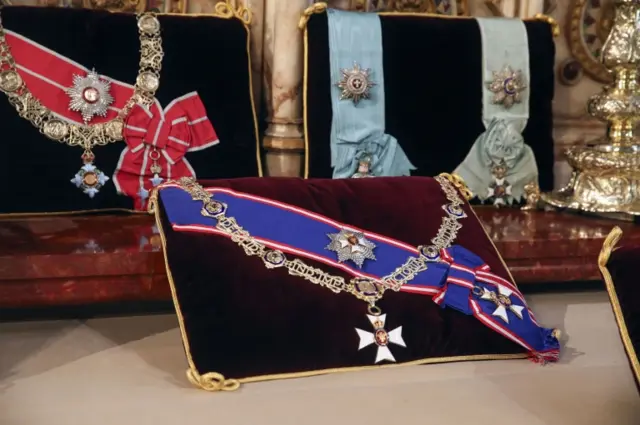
(359, 130)
(457, 278)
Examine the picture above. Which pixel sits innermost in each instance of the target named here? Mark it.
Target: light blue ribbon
(504, 43)
(359, 129)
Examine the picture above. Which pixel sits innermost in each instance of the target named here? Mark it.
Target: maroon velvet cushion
(619, 271)
(242, 322)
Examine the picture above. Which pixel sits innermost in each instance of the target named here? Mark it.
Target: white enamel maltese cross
(381, 338)
(502, 300)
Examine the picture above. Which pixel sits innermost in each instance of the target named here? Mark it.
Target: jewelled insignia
(381, 338)
(90, 96)
(364, 168)
(90, 179)
(506, 86)
(500, 188)
(350, 245)
(502, 300)
(355, 83)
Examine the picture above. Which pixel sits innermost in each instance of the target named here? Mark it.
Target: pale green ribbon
(504, 43)
(358, 130)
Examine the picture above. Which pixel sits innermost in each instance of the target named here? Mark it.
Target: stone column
(282, 69)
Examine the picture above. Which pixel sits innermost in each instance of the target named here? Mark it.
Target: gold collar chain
(89, 178)
(366, 289)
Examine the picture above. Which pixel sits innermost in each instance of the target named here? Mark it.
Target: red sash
(153, 136)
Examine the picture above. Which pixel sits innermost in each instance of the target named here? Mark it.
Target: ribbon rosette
(157, 141)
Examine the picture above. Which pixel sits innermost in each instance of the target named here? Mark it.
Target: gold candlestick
(606, 171)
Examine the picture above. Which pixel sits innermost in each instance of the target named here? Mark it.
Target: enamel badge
(506, 87)
(351, 246)
(502, 300)
(355, 83)
(381, 338)
(90, 96)
(89, 179)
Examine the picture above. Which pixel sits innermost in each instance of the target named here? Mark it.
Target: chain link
(85, 136)
(368, 290)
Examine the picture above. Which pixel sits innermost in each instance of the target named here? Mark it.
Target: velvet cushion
(432, 76)
(619, 271)
(246, 322)
(204, 54)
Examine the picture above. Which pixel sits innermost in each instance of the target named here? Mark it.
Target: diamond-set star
(351, 246)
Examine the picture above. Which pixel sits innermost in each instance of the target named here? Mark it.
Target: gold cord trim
(555, 27)
(67, 213)
(605, 253)
(459, 184)
(215, 382)
(305, 77)
(321, 7)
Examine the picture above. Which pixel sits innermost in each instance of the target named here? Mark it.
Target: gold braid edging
(459, 184)
(311, 10)
(321, 7)
(226, 10)
(605, 253)
(555, 27)
(212, 381)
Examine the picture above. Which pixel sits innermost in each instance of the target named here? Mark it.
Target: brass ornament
(589, 26)
(606, 171)
(506, 86)
(86, 136)
(355, 84)
(10, 81)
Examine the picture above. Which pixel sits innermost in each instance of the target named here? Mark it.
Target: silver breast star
(351, 245)
(355, 83)
(90, 96)
(506, 86)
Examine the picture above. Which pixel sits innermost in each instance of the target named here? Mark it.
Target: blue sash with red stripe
(455, 277)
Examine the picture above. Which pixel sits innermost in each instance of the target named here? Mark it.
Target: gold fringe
(605, 253)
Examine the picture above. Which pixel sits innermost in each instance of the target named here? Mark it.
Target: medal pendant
(89, 178)
(380, 336)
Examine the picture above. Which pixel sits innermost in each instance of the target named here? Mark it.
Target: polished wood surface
(75, 260)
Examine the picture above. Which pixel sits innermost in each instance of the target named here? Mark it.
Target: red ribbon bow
(157, 142)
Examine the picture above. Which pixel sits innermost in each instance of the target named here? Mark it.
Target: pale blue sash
(504, 43)
(358, 130)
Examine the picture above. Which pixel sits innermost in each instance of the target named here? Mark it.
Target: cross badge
(381, 338)
(502, 300)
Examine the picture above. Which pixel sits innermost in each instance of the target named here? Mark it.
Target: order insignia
(351, 245)
(506, 86)
(355, 83)
(90, 179)
(90, 96)
(381, 338)
(502, 300)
